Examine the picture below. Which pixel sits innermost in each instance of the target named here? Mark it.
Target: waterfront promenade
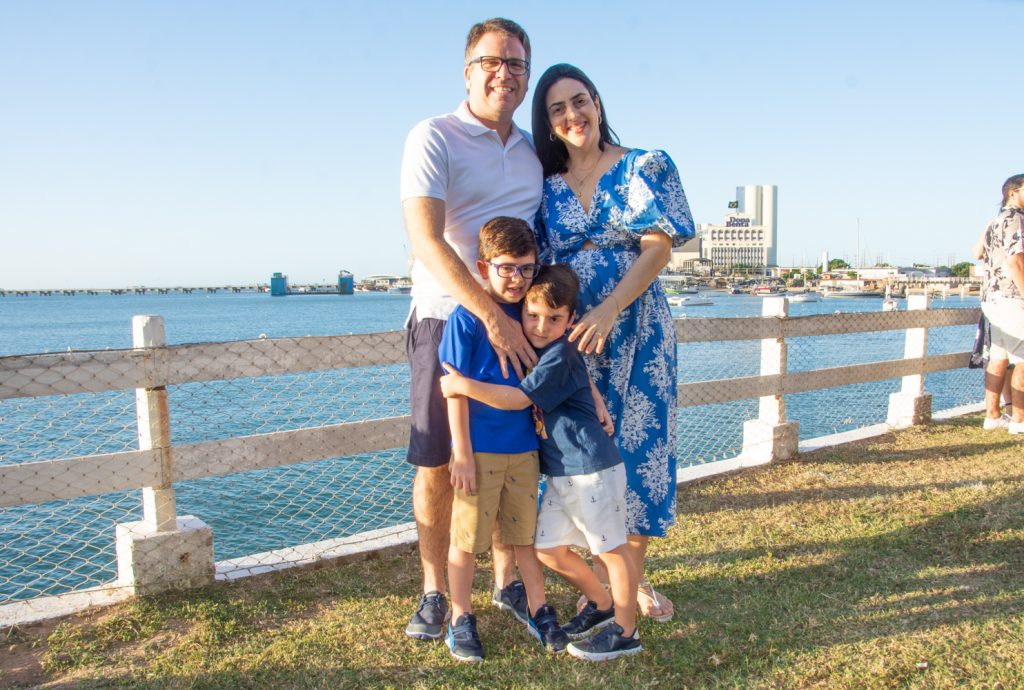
(888, 562)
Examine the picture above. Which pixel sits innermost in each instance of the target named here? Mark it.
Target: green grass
(890, 563)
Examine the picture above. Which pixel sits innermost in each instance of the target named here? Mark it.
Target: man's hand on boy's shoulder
(509, 343)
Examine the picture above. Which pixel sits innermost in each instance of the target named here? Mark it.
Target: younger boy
(494, 466)
(584, 503)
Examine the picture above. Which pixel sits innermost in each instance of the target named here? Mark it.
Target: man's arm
(454, 385)
(978, 250)
(424, 223)
(463, 464)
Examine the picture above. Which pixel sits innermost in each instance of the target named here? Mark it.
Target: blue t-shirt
(571, 438)
(464, 345)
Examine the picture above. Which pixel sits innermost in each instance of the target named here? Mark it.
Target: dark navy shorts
(430, 439)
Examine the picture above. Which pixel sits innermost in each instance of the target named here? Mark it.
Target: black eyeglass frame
(510, 270)
(510, 63)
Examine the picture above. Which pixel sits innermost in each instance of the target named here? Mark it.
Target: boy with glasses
(494, 462)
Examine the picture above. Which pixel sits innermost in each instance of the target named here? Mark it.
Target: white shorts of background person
(1006, 318)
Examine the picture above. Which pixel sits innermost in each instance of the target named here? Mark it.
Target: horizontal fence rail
(351, 420)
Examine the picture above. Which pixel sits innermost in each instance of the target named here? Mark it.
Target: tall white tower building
(748, 238)
(761, 202)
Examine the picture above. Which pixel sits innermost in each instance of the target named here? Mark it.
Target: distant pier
(135, 291)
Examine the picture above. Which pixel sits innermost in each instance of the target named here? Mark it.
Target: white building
(749, 236)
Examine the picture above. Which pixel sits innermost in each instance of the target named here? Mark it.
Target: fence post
(911, 405)
(770, 437)
(162, 551)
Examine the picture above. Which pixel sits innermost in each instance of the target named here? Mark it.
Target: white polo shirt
(459, 160)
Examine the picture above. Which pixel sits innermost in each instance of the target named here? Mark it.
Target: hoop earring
(551, 137)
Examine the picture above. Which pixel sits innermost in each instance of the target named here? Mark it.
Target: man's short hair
(505, 235)
(556, 286)
(497, 25)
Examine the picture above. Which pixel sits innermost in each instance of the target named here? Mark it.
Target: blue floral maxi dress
(636, 373)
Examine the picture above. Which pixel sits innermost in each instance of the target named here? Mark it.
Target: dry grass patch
(891, 562)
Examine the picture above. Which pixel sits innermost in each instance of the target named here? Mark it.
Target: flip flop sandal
(645, 589)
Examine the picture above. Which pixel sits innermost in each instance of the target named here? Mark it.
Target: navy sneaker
(430, 618)
(606, 645)
(544, 626)
(463, 640)
(589, 620)
(512, 598)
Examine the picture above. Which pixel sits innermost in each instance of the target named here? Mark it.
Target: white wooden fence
(164, 550)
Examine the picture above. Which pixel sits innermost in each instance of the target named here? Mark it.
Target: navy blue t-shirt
(571, 438)
(464, 345)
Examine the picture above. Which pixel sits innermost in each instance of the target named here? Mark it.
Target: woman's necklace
(581, 188)
(580, 181)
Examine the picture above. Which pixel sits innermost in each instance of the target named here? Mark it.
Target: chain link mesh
(318, 485)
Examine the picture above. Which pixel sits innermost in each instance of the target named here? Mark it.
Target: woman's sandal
(656, 602)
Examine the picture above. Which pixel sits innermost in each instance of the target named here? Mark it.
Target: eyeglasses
(527, 271)
(490, 63)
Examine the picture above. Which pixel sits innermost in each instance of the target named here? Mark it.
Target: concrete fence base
(151, 561)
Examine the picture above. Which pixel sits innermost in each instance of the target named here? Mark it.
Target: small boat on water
(697, 300)
(809, 296)
(889, 304)
(767, 290)
(838, 292)
(735, 290)
(681, 290)
(400, 289)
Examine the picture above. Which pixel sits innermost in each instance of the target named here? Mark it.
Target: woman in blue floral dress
(614, 214)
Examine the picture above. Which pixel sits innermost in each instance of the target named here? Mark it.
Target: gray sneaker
(512, 598)
(606, 645)
(430, 618)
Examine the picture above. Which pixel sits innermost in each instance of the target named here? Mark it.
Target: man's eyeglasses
(489, 63)
(527, 271)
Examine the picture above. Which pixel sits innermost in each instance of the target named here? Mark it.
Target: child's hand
(603, 416)
(451, 382)
(464, 475)
(606, 419)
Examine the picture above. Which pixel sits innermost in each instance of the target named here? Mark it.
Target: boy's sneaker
(1015, 427)
(588, 620)
(512, 598)
(606, 645)
(544, 626)
(429, 620)
(1000, 422)
(463, 641)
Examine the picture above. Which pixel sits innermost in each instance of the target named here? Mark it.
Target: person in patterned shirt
(1001, 248)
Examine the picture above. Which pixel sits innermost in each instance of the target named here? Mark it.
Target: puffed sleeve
(655, 198)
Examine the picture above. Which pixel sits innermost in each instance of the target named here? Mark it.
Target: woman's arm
(454, 384)
(593, 328)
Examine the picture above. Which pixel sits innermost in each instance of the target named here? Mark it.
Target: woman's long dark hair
(553, 154)
(1011, 185)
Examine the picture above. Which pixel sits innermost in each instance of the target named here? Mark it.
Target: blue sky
(198, 143)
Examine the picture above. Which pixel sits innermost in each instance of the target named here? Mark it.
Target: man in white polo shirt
(459, 171)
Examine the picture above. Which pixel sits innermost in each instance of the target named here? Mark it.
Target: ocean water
(62, 545)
